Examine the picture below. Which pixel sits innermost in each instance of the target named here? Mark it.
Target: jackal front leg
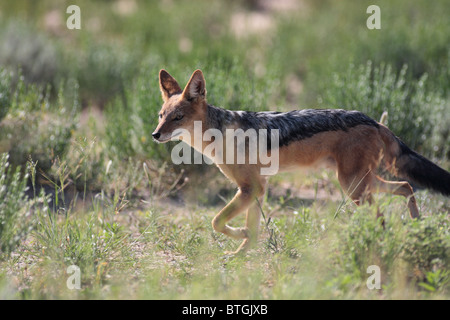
(241, 201)
(238, 204)
(252, 226)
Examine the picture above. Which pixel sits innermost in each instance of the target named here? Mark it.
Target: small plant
(436, 280)
(15, 207)
(365, 242)
(38, 127)
(38, 57)
(273, 242)
(427, 245)
(102, 70)
(85, 242)
(5, 92)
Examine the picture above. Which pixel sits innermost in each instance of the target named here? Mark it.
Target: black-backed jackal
(348, 141)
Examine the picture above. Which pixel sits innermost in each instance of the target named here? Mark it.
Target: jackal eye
(178, 117)
(160, 116)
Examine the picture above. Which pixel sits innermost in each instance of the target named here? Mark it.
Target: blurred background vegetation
(63, 90)
(77, 107)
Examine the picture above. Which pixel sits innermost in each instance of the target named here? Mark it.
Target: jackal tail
(408, 164)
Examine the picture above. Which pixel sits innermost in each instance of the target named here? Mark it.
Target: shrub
(36, 127)
(102, 71)
(15, 207)
(365, 242)
(5, 92)
(35, 54)
(427, 244)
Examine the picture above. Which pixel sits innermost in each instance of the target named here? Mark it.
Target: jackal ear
(195, 87)
(168, 85)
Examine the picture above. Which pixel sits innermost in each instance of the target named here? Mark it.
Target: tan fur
(355, 154)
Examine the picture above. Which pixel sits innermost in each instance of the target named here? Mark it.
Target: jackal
(348, 141)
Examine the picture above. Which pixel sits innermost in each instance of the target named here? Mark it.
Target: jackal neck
(218, 118)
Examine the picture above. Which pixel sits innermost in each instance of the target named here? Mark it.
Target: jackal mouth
(161, 140)
(176, 135)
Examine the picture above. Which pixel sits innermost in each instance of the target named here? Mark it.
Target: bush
(417, 250)
(365, 242)
(5, 92)
(15, 207)
(102, 71)
(327, 35)
(36, 127)
(427, 245)
(38, 58)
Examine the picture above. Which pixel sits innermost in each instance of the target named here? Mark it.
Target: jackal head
(181, 107)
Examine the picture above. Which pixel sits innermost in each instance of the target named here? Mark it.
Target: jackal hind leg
(360, 188)
(400, 188)
(357, 186)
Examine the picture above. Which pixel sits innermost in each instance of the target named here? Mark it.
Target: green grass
(171, 252)
(82, 183)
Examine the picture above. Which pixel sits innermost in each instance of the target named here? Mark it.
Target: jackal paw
(243, 248)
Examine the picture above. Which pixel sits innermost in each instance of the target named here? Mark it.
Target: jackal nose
(156, 135)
